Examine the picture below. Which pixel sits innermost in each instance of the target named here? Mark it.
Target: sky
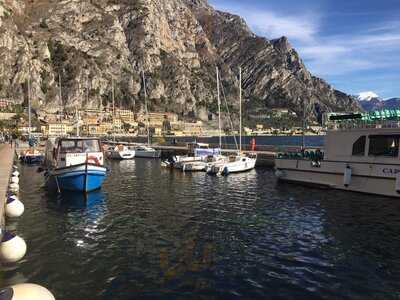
(352, 44)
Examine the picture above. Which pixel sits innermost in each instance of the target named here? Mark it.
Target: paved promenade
(6, 162)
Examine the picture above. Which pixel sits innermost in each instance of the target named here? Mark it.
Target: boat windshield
(79, 146)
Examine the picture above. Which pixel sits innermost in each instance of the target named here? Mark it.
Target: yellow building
(58, 129)
(125, 115)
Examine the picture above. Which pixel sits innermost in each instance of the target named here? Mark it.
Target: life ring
(93, 160)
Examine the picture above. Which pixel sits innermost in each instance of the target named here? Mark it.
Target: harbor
(199, 149)
(152, 232)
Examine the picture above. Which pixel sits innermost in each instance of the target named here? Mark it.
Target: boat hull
(32, 159)
(148, 154)
(370, 178)
(122, 155)
(78, 178)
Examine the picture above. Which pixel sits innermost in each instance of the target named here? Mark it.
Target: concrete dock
(6, 163)
(265, 157)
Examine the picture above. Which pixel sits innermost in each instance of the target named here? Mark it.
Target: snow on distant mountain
(367, 96)
(376, 103)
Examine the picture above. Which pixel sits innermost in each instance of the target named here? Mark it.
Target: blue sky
(353, 44)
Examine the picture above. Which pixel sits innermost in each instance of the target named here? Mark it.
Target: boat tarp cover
(207, 152)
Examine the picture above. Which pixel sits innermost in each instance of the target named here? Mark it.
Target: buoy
(12, 248)
(14, 207)
(15, 173)
(14, 187)
(347, 176)
(26, 291)
(14, 179)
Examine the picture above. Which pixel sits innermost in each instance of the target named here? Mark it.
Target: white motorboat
(147, 152)
(121, 152)
(358, 156)
(235, 164)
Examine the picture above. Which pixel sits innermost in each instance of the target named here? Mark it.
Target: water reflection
(155, 233)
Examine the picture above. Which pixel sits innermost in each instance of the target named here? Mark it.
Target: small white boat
(121, 152)
(147, 152)
(235, 164)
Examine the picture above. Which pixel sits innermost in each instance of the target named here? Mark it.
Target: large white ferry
(358, 156)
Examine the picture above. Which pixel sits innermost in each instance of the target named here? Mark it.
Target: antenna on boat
(219, 110)
(240, 108)
(145, 108)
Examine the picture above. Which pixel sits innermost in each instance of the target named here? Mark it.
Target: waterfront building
(58, 129)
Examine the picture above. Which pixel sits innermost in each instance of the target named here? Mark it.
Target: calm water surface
(158, 234)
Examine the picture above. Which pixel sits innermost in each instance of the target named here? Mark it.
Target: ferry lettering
(390, 171)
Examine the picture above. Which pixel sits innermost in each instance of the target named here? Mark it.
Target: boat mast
(60, 91)
(113, 106)
(77, 121)
(219, 110)
(240, 109)
(303, 142)
(29, 106)
(146, 109)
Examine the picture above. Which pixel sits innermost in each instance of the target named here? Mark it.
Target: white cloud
(299, 28)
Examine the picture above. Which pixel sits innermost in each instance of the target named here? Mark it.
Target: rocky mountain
(379, 104)
(89, 46)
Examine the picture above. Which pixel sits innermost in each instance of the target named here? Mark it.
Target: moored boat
(31, 156)
(121, 152)
(359, 156)
(75, 164)
(147, 152)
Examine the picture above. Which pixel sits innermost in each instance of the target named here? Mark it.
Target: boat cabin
(74, 151)
(364, 145)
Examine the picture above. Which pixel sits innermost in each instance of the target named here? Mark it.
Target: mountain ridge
(178, 43)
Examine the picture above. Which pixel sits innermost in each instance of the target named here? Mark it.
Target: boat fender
(279, 174)
(14, 179)
(398, 183)
(26, 291)
(14, 207)
(12, 248)
(347, 176)
(14, 187)
(93, 160)
(225, 171)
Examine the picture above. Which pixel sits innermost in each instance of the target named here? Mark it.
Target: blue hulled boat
(75, 165)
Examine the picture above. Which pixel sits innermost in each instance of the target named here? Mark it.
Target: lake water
(153, 233)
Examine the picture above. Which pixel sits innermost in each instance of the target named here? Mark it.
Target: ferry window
(384, 145)
(359, 146)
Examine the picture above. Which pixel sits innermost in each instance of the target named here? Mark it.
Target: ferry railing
(361, 124)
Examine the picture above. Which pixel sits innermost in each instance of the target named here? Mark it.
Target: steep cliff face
(91, 44)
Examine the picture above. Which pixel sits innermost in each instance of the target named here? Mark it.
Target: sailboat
(119, 152)
(204, 158)
(32, 155)
(240, 162)
(146, 151)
